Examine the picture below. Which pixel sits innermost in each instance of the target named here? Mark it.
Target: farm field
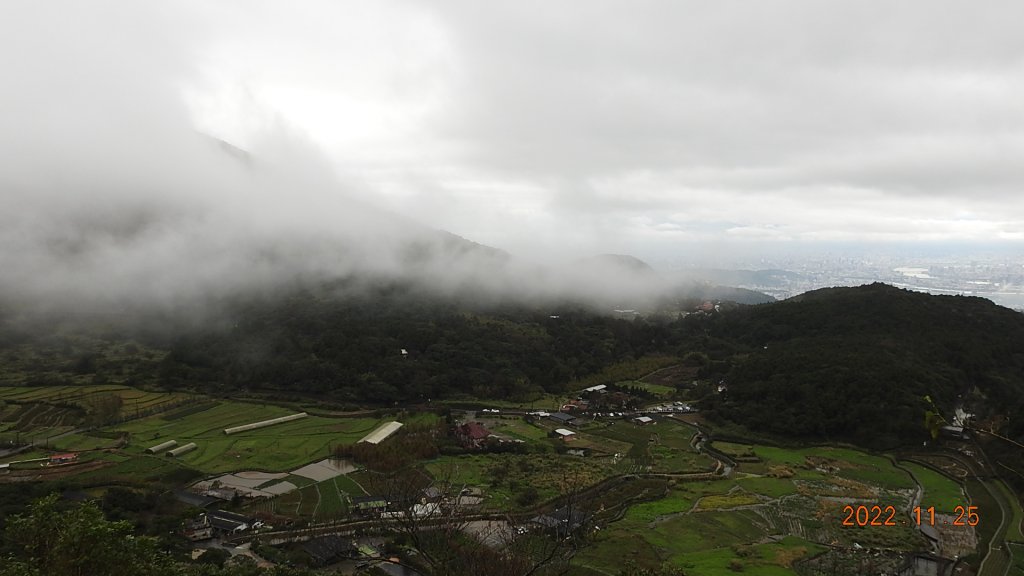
(1016, 521)
(36, 421)
(35, 413)
(507, 477)
(1017, 550)
(276, 448)
(675, 531)
(327, 500)
(136, 471)
(659, 390)
(821, 462)
(756, 523)
(515, 428)
(939, 491)
(663, 447)
(84, 441)
(134, 400)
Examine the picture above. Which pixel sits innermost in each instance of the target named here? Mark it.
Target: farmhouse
(229, 522)
(198, 529)
(598, 388)
(643, 420)
(63, 458)
(326, 550)
(562, 418)
(472, 434)
(924, 564)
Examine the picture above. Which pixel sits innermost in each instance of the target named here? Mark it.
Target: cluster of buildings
(218, 523)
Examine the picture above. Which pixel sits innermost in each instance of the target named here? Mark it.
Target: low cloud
(161, 153)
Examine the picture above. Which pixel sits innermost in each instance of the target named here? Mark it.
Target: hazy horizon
(680, 133)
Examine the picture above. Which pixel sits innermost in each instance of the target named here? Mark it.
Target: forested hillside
(852, 364)
(856, 363)
(351, 349)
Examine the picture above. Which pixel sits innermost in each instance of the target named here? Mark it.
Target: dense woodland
(844, 363)
(849, 364)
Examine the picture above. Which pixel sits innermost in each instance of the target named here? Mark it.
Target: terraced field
(34, 422)
(31, 417)
(771, 513)
(31, 413)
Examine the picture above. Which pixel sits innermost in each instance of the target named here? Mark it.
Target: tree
(78, 541)
(104, 408)
(449, 539)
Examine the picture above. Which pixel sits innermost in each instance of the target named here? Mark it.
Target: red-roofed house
(63, 458)
(472, 434)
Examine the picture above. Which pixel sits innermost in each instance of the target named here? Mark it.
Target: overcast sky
(645, 126)
(549, 129)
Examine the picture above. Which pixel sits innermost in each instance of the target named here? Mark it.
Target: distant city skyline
(996, 275)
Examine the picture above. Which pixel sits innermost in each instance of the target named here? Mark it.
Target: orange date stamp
(887, 516)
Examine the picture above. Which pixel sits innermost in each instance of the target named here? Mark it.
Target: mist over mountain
(208, 220)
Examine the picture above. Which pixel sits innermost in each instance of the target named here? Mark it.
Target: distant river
(1013, 300)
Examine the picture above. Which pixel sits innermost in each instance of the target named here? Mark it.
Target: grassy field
(276, 448)
(658, 390)
(771, 487)
(1018, 557)
(664, 447)
(135, 471)
(940, 491)
(820, 463)
(1013, 532)
(513, 427)
(83, 441)
(734, 450)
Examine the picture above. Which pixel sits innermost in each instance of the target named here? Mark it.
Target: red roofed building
(472, 434)
(63, 458)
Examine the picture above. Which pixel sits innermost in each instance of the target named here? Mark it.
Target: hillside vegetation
(857, 363)
(850, 364)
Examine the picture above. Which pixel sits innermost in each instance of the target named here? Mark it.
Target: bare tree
(430, 515)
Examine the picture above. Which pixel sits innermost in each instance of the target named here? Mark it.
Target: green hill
(856, 363)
